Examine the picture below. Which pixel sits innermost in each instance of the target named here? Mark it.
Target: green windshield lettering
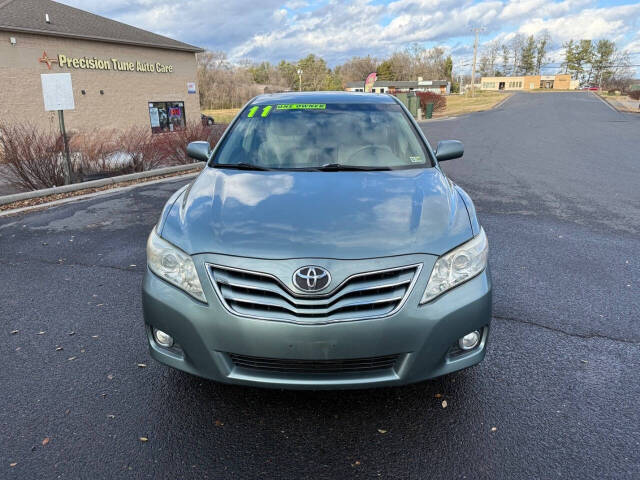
(302, 106)
(266, 110)
(253, 111)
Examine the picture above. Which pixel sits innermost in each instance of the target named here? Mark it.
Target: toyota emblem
(311, 278)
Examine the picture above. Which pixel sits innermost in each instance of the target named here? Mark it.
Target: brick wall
(126, 94)
(562, 82)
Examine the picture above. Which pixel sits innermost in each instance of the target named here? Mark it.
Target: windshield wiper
(241, 166)
(334, 167)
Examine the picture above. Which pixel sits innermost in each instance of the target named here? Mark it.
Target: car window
(290, 136)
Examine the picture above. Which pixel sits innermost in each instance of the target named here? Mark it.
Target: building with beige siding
(528, 82)
(121, 76)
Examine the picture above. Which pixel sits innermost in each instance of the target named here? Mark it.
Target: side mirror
(448, 149)
(199, 150)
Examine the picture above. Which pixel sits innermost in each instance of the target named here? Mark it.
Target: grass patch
(461, 104)
(224, 115)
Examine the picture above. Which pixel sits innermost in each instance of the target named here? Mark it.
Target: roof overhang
(49, 33)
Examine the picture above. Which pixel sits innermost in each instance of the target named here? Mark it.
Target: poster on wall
(191, 87)
(155, 117)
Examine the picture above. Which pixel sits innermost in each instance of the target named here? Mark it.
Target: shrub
(173, 145)
(137, 150)
(635, 94)
(94, 151)
(439, 101)
(34, 157)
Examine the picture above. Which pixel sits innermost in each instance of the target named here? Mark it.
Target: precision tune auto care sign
(95, 63)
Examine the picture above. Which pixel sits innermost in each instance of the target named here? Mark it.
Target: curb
(612, 107)
(502, 102)
(86, 196)
(16, 197)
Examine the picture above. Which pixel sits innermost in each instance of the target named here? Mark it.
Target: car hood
(302, 214)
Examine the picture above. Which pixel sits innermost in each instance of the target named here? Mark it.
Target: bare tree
(543, 44)
(357, 68)
(489, 58)
(221, 84)
(515, 47)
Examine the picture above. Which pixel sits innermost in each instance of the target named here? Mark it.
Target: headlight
(457, 266)
(173, 265)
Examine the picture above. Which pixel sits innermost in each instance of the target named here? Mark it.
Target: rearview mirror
(448, 149)
(199, 150)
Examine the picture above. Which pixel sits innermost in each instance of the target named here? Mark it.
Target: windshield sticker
(415, 159)
(253, 111)
(302, 106)
(265, 111)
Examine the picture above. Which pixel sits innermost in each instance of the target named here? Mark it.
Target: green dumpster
(412, 104)
(429, 112)
(403, 98)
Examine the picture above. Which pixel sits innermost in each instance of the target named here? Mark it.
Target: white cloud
(612, 22)
(338, 29)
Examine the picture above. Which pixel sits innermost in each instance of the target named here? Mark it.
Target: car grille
(315, 366)
(361, 296)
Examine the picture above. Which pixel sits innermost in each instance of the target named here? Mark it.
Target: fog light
(162, 339)
(469, 341)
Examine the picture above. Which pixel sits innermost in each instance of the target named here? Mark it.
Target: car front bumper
(208, 337)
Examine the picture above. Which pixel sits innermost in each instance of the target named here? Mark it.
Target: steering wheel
(382, 148)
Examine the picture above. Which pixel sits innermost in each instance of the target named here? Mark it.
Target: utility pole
(476, 30)
(300, 78)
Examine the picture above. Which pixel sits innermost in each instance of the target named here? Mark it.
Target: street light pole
(300, 78)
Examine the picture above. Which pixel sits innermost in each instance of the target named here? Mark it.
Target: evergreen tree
(528, 57)
(448, 69)
(601, 64)
(544, 41)
(385, 71)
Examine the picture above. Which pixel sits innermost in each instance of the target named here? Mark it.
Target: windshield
(323, 136)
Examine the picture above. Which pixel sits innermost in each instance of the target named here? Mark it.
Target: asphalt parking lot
(555, 178)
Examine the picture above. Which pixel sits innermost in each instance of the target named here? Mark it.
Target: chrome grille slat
(361, 296)
(230, 295)
(285, 316)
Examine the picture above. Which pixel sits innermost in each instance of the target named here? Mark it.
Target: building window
(166, 116)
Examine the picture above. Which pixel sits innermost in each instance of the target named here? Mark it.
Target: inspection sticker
(302, 106)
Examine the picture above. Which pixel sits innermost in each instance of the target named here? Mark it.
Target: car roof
(322, 97)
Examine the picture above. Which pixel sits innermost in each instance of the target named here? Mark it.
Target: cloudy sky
(339, 29)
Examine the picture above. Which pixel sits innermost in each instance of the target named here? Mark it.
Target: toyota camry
(322, 246)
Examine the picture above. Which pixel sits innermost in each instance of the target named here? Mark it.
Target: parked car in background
(206, 119)
(321, 247)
